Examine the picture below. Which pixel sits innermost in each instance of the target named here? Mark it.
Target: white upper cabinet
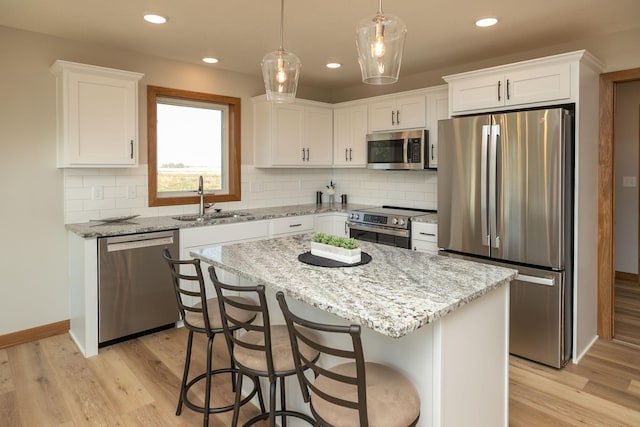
(402, 112)
(97, 110)
(437, 109)
(350, 136)
(530, 83)
(298, 134)
(318, 137)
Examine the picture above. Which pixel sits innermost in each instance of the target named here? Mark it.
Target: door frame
(606, 198)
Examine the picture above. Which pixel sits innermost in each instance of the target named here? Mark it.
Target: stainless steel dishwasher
(135, 292)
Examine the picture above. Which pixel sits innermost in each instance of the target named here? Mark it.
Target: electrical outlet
(628, 181)
(97, 192)
(132, 192)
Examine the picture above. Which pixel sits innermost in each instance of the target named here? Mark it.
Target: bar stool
(263, 351)
(354, 393)
(204, 317)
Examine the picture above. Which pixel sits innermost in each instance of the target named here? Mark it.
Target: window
(192, 134)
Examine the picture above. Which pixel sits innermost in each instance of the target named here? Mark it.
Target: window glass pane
(190, 143)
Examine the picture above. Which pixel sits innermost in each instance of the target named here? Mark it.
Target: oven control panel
(375, 219)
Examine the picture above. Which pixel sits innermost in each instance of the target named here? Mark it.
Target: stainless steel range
(389, 225)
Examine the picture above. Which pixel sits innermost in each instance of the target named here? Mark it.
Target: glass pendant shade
(380, 43)
(280, 71)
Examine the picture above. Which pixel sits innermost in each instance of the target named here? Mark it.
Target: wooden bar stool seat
(350, 394)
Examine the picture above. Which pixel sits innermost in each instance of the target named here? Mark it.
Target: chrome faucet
(200, 192)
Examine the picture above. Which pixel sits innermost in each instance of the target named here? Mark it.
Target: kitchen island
(441, 321)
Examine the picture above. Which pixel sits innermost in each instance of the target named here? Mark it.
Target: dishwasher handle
(136, 244)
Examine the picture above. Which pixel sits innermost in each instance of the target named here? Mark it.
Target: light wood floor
(627, 311)
(49, 383)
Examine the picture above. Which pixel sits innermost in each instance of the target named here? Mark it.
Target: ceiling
(240, 32)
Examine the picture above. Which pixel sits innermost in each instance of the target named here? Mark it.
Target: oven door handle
(377, 229)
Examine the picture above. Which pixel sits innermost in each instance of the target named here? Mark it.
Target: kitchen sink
(210, 216)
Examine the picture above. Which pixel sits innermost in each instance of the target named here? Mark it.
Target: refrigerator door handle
(486, 134)
(493, 175)
(535, 280)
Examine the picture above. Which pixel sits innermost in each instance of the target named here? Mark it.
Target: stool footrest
(294, 414)
(216, 410)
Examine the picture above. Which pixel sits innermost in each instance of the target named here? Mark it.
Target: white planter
(348, 256)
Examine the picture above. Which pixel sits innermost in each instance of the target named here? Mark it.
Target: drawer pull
(427, 234)
(295, 225)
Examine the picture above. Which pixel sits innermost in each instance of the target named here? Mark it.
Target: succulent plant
(340, 242)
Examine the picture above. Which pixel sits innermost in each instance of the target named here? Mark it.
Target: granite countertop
(147, 224)
(430, 218)
(396, 293)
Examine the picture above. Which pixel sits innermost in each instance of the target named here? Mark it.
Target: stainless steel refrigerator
(505, 196)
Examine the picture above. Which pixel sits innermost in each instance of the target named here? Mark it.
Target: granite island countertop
(89, 230)
(396, 293)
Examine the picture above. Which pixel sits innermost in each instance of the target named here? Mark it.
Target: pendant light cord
(282, 25)
(379, 7)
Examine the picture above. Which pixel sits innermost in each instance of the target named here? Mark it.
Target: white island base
(459, 363)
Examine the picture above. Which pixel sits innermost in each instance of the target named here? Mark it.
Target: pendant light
(380, 42)
(280, 70)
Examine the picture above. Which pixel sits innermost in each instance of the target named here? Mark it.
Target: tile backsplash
(102, 193)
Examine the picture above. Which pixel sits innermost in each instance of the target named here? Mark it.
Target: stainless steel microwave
(398, 150)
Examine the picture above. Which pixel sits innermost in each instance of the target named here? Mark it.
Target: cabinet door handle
(308, 156)
(295, 225)
(346, 150)
(393, 120)
(432, 158)
(350, 158)
(499, 85)
(397, 117)
(303, 157)
(508, 95)
(132, 149)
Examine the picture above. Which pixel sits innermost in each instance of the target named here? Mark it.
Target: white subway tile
(77, 193)
(94, 180)
(72, 181)
(115, 192)
(73, 206)
(91, 205)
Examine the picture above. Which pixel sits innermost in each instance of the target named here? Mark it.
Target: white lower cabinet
(288, 226)
(424, 237)
(202, 237)
(334, 224)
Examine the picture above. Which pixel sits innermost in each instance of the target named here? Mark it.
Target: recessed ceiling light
(334, 65)
(210, 60)
(486, 22)
(155, 19)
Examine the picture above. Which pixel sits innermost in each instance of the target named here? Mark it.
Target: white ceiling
(240, 32)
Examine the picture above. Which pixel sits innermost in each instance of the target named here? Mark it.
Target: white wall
(627, 131)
